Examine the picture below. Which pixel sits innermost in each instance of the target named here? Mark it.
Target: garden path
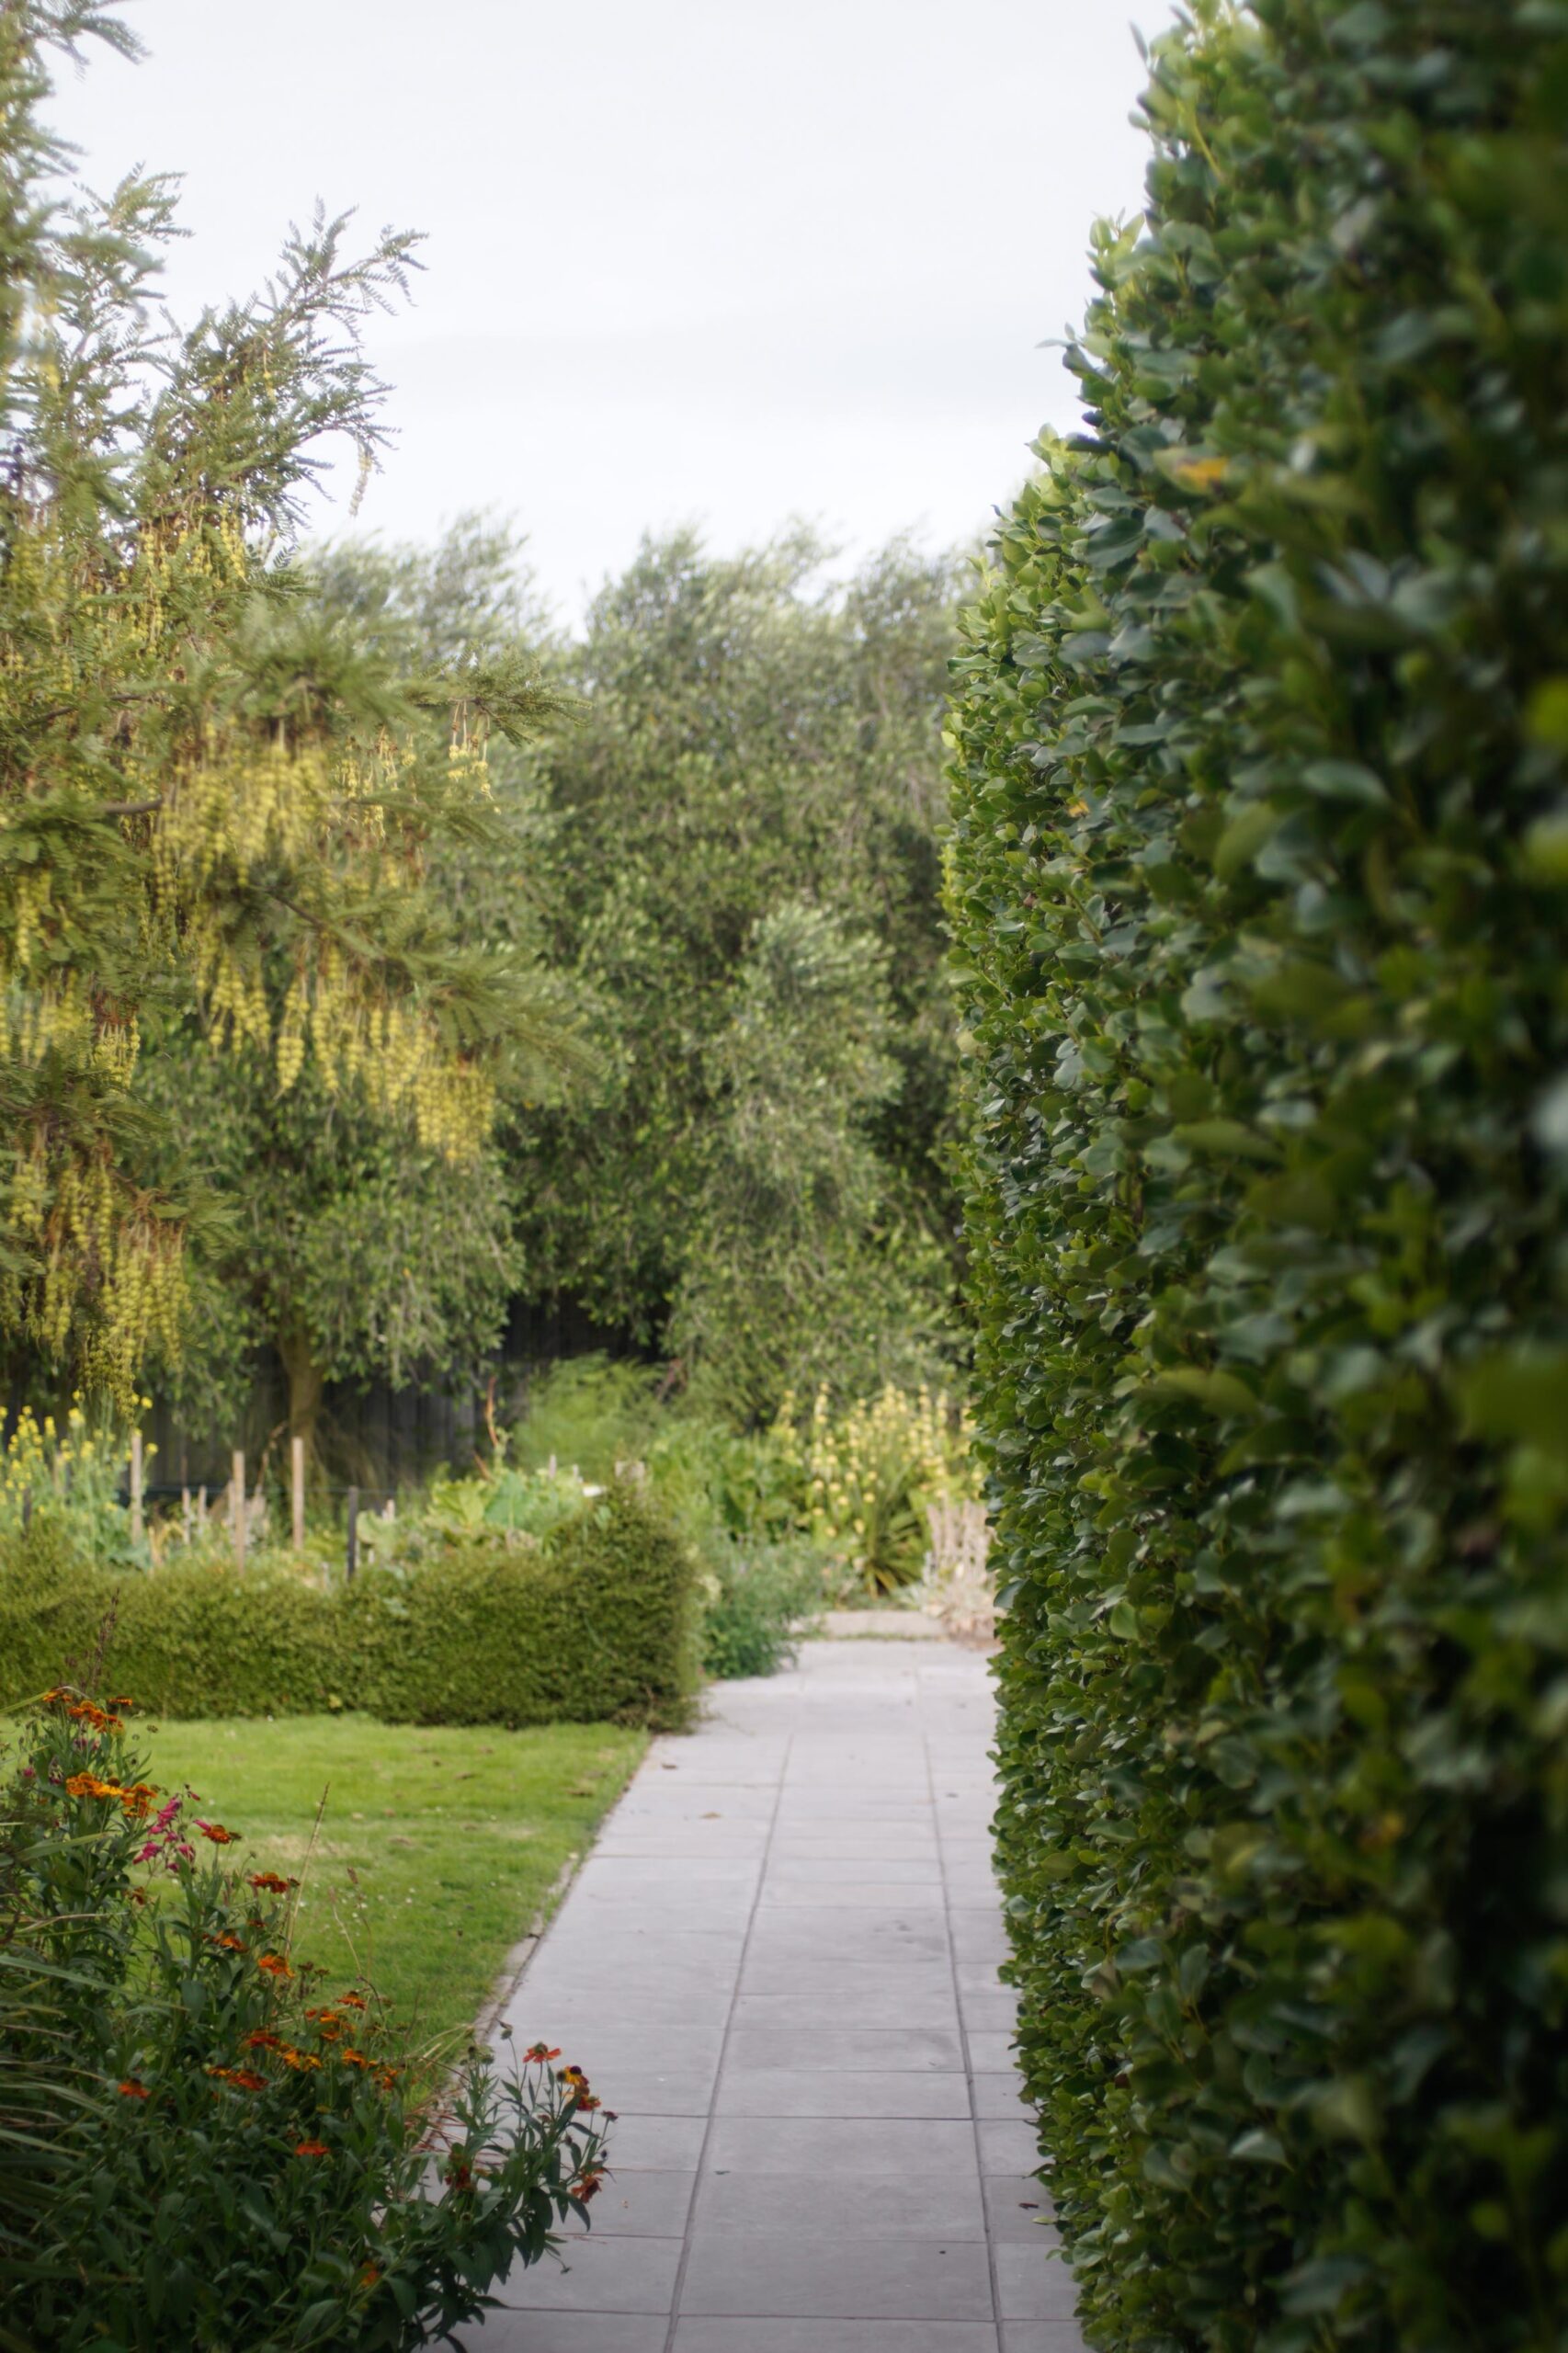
(779, 1966)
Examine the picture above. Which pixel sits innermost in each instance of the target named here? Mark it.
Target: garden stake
(353, 1529)
(136, 1486)
(296, 1485)
(237, 1496)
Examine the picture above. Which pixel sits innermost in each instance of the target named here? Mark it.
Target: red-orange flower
(137, 1800)
(262, 2040)
(89, 1785)
(127, 1704)
(589, 2184)
(132, 2089)
(270, 1883)
(303, 2062)
(245, 2079)
(216, 1832)
(537, 2051)
(351, 2058)
(369, 2275)
(229, 1942)
(311, 2149)
(274, 1965)
(351, 2001)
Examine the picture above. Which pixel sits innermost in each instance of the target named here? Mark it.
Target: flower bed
(218, 2149)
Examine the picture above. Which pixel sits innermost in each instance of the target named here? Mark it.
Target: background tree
(350, 1251)
(748, 741)
(205, 785)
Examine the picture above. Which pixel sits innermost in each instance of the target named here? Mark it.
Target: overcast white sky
(721, 261)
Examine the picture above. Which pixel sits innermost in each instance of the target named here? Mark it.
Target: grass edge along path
(437, 1847)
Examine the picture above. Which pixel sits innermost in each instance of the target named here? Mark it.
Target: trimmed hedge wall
(1259, 889)
(599, 1623)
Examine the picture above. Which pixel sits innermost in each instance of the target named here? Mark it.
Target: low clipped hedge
(1258, 891)
(599, 1622)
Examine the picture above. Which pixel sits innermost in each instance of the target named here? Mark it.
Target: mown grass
(435, 1848)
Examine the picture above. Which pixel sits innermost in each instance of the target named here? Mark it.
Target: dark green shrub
(598, 1622)
(758, 1595)
(1258, 892)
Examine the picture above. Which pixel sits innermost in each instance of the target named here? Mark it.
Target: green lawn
(435, 1848)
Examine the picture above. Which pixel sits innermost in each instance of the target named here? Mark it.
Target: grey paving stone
(609, 2275)
(919, 1999)
(729, 2273)
(786, 1870)
(644, 2205)
(520, 2332)
(904, 1842)
(993, 2011)
(654, 2091)
(1008, 2147)
(700, 2335)
(707, 1912)
(1018, 2209)
(1033, 2283)
(810, 2206)
(779, 2091)
(1041, 2336)
(656, 2144)
(1000, 2095)
(840, 2145)
(835, 2048)
(851, 1990)
(649, 2004)
(613, 1874)
(859, 1895)
(990, 2052)
(815, 1933)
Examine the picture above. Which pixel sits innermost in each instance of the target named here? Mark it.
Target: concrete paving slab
(846, 2278)
(780, 1967)
(779, 2091)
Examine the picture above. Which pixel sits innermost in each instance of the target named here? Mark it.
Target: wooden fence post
(353, 1529)
(237, 1503)
(297, 1489)
(136, 1486)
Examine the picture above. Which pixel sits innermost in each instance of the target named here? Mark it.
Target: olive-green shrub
(1258, 888)
(598, 1622)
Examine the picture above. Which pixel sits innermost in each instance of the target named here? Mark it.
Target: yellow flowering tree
(209, 789)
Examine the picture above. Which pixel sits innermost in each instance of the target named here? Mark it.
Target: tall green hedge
(599, 1622)
(1259, 885)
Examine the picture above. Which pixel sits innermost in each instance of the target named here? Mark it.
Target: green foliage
(595, 1622)
(865, 1478)
(1257, 887)
(211, 792)
(738, 862)
(598, 1623)
(757, 1595)
(226, 2159)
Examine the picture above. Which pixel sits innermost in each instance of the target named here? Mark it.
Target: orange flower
(229, 1943)
(353, 2058)
(369, 2275)
(216, 1832)
(132, 2089)
(386, 2078)
(128, 1704)
(270, 1884)
(58, 1692)
(245, 2079)
(262, 2040)
(351, 2001)
(311, 2149)
(137, 1800)
(274, 1965)
(574, 2077)
(88, 1785)
(537, 2051)
(589, 2184)
(459, 2174)
(303, 2062)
